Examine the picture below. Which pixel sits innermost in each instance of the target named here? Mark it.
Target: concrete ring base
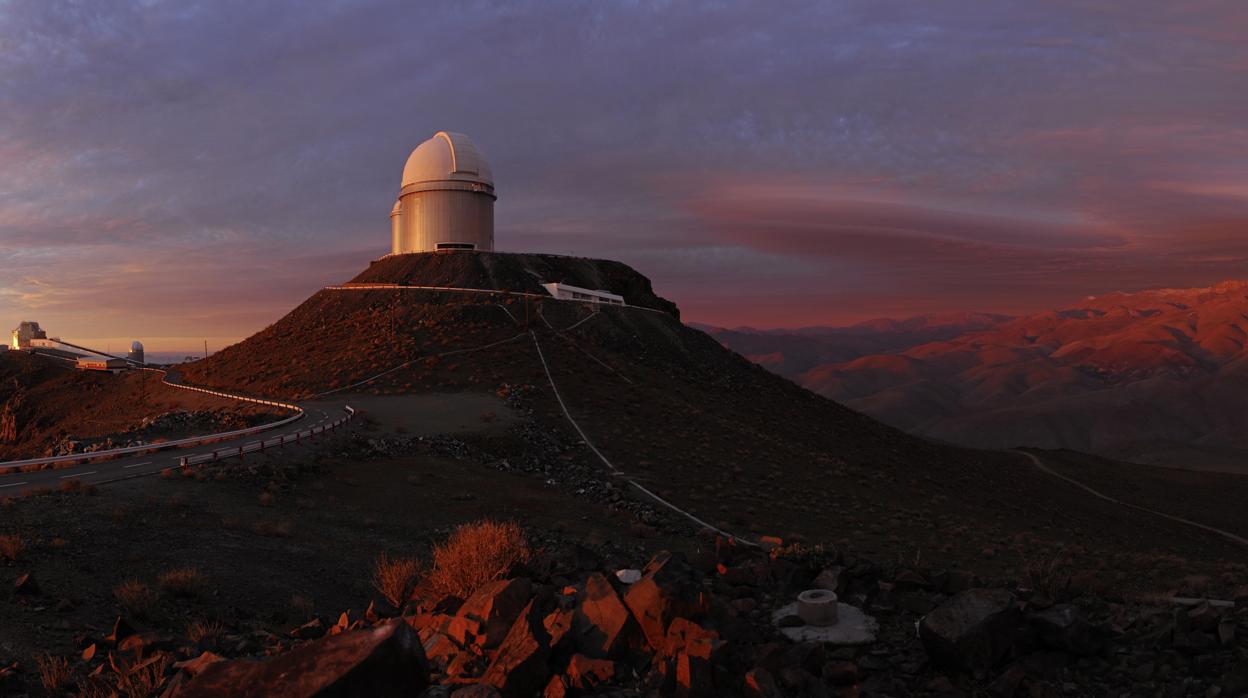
(817, 607)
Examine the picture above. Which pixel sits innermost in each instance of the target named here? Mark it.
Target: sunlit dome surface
(447, 157)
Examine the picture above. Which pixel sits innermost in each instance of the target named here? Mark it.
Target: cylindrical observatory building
(447, 198)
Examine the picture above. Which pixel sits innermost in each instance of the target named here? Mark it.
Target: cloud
(195, 167)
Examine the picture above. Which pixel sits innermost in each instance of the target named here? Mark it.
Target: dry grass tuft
(1048, 574)
(136, 598)
(395, 579)
(11, 546)
(477, 554)
(183, 582)
(207, 633)
(54, 673)
(144, 680)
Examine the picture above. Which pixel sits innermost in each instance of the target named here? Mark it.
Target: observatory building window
(456, 246)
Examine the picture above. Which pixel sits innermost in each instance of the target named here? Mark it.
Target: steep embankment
(669, 406)
(45, 405)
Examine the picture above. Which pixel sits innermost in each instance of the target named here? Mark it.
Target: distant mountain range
(1156, 376)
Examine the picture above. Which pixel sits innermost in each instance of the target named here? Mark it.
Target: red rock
(519, 668)
(26, 584)
(492, 611)
(89, 653)
(439, 649)
(383, 661)
(759, 683)
(121, 630)
(685, 636)
(197, 665)
(557, 688)
(666, 590)
(604, 626)
(559, 625)
(310, 630)
(585, 673)
(694, 678)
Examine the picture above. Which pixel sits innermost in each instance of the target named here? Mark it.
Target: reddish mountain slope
(1127, 374)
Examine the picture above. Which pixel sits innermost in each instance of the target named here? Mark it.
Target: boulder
(196, 666)
(586, 673)
(519, 668)
(685, 636)
(557, 688)
(490, 612)
(666, 590)
(1064, 627)
(604, 627)
(973, 630)
(386, 660)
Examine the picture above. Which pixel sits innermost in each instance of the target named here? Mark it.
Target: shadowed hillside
(725, 439)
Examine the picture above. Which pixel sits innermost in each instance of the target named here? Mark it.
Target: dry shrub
(183, 582)
(143, 680)
(6, 503)
(11, 546)
(266, 499)
(394, 579)
(167, 473)
(71, 486)
(1048, 574)
(54, 673)
(475, 555)
(205, 632)
(136, 598)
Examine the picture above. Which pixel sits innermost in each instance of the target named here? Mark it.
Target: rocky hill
(48, 408)
(1153, 376)
(327, 561)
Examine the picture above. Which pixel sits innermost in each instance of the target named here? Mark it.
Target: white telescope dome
(447, 157)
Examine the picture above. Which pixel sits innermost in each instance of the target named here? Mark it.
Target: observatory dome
(446, 198)
(447, 157)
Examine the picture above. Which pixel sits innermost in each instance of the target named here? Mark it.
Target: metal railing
(280, 440)
(76, 458)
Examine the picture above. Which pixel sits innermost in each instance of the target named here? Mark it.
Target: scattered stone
(490, 612)
(666, 590)
(972, 631)
(520, 669)
(121, 630)
(604, 626)
(759, 683)
(26, 584)
(829, 579)
(585, 673)
(1063, 627)
(194, 667)
(386, 660)
(628, 576)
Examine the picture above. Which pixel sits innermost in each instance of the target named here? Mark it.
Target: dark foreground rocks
(703, 626)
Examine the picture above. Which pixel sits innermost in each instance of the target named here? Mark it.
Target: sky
(180, 171)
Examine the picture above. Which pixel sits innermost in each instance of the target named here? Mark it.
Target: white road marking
(136, 465)
(89, 472)
(15, 484)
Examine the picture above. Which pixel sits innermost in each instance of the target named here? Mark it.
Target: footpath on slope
(1096, 493)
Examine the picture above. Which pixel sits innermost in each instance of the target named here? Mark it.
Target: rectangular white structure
(101, 363)
(566, 292)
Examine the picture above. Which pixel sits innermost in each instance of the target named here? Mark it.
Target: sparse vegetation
(183, 582)
(54, 673)
(476, 554)
(206, 633)
(136, 598)
(395, 578)
(1048, 574)
(11, 546)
